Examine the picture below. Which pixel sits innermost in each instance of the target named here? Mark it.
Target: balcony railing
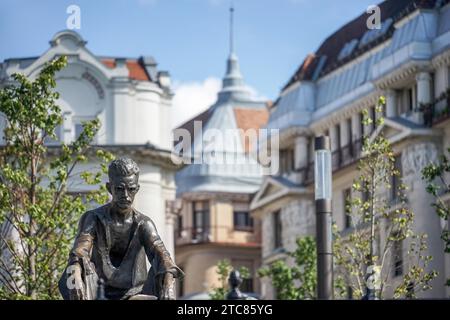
(209, 234)
(340, 158)
(437, 111)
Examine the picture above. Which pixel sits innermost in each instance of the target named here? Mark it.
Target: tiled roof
(110, 63)
(189, 125)
(247, 118)
(135, 70)
(355, 29)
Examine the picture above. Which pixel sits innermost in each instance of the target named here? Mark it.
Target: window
(410, 100)
(361, 124)
(179, 226)
(347, 49)
(397, 251)
(242, 221)
(349, 130)
(406, 100)
(78, 125)
(277, 228)
(347, 216)
(396, 180)
(200, 220)
(338, 136)
(372, 34)
(286, 161)
(349, 144)
(78, 130)
(336, 148)
(373, 116)
(58, 133)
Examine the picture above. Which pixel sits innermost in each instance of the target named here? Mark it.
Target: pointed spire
(233, 82)
(231, 29)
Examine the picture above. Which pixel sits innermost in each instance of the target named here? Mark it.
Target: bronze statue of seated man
(112, 244)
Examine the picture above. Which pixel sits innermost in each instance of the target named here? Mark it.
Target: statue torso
(121, 235)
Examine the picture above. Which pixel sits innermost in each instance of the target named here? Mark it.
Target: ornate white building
(408, 61)
(130, 97)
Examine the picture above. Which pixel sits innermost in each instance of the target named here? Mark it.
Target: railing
(209, 234)
(437, 111)
(340, 158)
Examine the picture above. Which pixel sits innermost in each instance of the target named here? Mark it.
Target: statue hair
(122, 167)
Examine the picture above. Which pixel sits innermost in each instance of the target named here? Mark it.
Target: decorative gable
(397, 129)
(273, 190)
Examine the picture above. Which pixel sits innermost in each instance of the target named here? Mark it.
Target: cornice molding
(442, 59)
(345, 112)
(407, 71)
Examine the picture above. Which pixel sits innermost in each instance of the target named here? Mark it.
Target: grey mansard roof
(236, 108)
(349, 62)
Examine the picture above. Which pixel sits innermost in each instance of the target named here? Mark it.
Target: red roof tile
(250, 119)
(110, 63)
(135, 70)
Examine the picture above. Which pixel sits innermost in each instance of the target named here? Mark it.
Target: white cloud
(255, 94)
(192, 98)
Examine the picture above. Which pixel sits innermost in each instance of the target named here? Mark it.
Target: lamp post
(322, 178)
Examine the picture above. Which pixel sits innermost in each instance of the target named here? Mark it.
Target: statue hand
(168, 287)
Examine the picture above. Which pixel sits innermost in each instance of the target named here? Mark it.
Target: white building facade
(407, 61)
(131, 98)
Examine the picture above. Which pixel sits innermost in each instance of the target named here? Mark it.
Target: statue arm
(74, 287)
(155, 247)
(84, 240)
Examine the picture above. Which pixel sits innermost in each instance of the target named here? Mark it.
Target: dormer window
(348, 49)
(374, 34)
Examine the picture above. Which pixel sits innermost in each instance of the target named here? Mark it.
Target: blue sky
(189, 38)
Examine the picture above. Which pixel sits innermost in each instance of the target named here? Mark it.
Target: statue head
(123, 182)
(234, 280)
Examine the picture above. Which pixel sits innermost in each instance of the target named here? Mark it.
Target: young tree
(436, 175)
(38, 214)
(300, 280)
(224, 268)
(367, 256)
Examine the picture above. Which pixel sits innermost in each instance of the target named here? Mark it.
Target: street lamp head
(322, 168)
(322, 143)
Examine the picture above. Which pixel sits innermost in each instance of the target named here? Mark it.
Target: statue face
(123, 190)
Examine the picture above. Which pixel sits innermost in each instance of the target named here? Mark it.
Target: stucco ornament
(416, 157)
